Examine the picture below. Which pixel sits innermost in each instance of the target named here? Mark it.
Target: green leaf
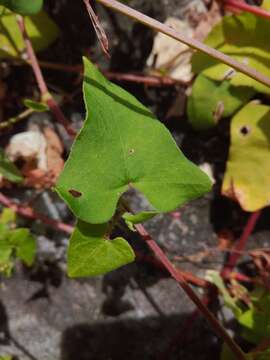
(218, 72)
(264, 355)
(211, 100)
(256, 321)
(133, 219)
(243, 37)
(8, 170)
(41, 29)
(227, 354)
(247, 176)
(24, 244)
(121, 145)
(36, 106)
(23, 7)
(6, 357)
(91, 254)
(14, 243)
(6, 263)
(215, 278)
(7, 217)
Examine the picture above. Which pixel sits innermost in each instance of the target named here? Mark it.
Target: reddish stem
(192, 279)
(149, 80)
(239, 5)
(29, 213)
(177, 275)
(241, 243)
(46, 96)
(235, 254)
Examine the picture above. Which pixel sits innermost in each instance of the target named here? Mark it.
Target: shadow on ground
(149, 338)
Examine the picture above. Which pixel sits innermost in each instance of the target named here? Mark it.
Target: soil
(136, 312)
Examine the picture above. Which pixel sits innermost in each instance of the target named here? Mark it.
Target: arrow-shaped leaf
(91, 254)
(122, 145)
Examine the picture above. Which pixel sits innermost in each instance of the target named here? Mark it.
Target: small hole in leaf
(245, 130)
(131, 151)
(75, 193)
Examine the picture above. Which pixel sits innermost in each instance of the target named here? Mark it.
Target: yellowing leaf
(266, 4)
(123, 145)
(91, 254)
(245, 37)
(40, 28)
(7, 217)
(247, 176)
(23, 7)
(220, 71)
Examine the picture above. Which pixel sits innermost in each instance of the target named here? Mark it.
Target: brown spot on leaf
(131, 151)
(75, 193)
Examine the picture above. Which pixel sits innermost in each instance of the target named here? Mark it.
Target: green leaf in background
(23, 7)
(6, 357)
(36, 106)
(24, 245)
(8, 170)
(245, 37)
(6, 261)
(121, 145)
(8, 217)
(211, 100)
(256, 320)
(91, 254)
(264, 355)
(215, 278)
(227, 354)
(40, 28)
(133, 219)
(14, 243)
(247, 176)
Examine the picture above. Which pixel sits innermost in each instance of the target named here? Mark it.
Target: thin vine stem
(139, 78)
(177, 275)
(241, 243)
(195, 44)
(45, 94)
(256, 10)
(28, 212)
(15, 119)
